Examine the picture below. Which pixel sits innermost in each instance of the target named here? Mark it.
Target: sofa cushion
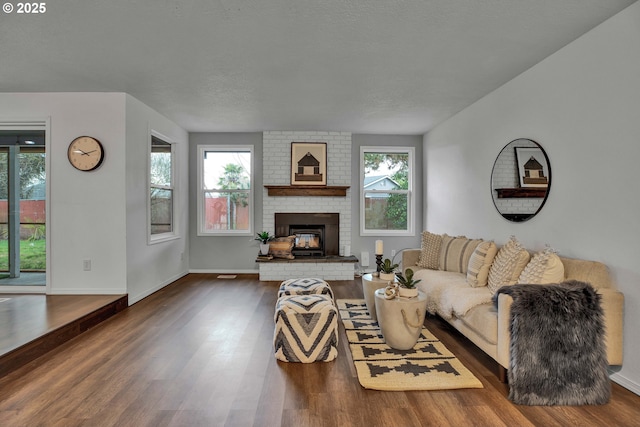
(455, 253)
(509, 262)
(430, 250)
(281, 247)
(545, 267)
(480, 263)
(483, 320)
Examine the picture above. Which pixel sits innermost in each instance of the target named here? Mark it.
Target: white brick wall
(276, 166)
(324, 270)
(505, 175)
(277, 171)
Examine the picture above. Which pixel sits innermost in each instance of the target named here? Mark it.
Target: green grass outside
(32, 255)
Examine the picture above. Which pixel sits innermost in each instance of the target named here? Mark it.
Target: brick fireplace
(276, 171)
(317, 234)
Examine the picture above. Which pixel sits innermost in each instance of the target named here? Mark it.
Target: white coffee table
(401, 319)
(369, 285)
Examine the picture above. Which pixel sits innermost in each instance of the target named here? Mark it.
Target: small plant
(387, 267)
(407, 280)
(264, 237)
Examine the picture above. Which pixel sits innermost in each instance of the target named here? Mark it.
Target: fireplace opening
(317, 234)
(309, 240)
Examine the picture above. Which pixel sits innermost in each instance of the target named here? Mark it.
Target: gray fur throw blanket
(557, 353)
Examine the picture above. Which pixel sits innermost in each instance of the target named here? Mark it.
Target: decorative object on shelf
(85, 153)
(264, 237)
(520, 180)
(407, 288)
(309, 163)
(387, 270)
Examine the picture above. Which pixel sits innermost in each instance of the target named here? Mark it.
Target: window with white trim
(161, 189)
(386, 184)
(225, 186)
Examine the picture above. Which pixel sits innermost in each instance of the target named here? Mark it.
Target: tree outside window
(225, 203)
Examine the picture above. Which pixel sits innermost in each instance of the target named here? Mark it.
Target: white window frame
(409, 192)
(201, 190)
(174, 233)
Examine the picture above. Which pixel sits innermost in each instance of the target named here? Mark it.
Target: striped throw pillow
(455, 253)
(480, 263)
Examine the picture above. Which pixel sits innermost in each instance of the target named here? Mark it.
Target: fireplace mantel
(307, 190)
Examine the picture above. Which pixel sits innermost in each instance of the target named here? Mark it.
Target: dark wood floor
(199, 353)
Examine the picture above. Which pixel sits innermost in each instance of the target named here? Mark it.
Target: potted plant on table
(264, 237)
(387, 270)
(407, 287)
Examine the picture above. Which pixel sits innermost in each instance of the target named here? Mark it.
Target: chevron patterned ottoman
(305, 286)
(306, 329)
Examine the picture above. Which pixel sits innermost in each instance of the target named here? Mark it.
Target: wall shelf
(306, 190)
(515, 193)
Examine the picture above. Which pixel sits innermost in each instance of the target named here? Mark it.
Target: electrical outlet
(86, 265)
(364, 259)
(393, 253)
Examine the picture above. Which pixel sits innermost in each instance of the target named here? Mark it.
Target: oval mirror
(520, 180)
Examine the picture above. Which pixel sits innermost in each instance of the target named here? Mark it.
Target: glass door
(22, 208)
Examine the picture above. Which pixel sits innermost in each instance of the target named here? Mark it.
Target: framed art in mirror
(520, 180)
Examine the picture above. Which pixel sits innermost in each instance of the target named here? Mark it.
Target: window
(161, 190)
(386, 184)
(225, 199)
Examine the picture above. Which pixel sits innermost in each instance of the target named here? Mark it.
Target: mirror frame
(519, 191)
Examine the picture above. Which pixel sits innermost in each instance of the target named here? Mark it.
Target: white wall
(101, 215)
(582, 105)
(150, 267)
(87, 216)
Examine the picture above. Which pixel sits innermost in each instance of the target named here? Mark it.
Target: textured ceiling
(387, 66)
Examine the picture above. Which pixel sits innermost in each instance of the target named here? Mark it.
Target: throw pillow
(480, 263)
(545, 267)
(281, 247)
(509, 262)
(430, 250)
(455, 253)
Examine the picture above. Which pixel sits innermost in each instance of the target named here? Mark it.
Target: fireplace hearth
(317, 234)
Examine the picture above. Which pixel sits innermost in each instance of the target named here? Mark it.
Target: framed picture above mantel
(309, 163)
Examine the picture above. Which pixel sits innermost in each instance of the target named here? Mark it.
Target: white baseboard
(137, 298)
(234, 271)
(76, 291)
(626, 383)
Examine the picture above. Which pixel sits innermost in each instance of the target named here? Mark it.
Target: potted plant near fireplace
(407, 286)
(387, 270)
(264, 237)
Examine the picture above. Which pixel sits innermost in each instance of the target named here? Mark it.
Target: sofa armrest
(410, 258)
(612, 303)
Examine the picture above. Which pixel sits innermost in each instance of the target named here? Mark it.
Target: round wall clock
(85, 153)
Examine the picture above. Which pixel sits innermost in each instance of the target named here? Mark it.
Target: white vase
(408, 293)
(389, 277)
(264, 248)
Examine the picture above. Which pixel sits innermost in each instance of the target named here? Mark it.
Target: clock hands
(84, 153)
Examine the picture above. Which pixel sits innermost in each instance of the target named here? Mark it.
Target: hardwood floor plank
(200, 352)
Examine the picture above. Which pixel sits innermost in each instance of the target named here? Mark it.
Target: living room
(580, 104)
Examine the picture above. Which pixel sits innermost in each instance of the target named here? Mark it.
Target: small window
(225, 202)
(161, 189)
(386, 206)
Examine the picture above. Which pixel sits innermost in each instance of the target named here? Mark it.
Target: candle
(379, 247)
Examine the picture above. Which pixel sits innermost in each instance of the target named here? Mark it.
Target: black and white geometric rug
(429, 365)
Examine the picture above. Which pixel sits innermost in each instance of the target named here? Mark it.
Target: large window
(161, 190)
(225, 200)
(386, 206)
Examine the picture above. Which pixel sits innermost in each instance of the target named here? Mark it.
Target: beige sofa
(488, 328)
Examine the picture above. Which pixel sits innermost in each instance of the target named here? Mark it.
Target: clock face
(85, 153)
